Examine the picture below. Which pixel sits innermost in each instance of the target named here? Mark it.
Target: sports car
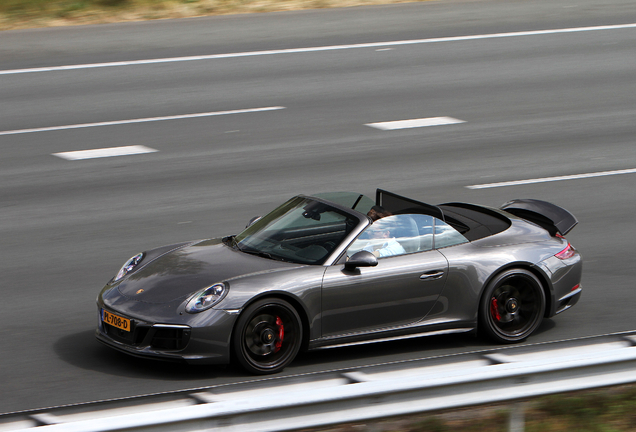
(341, 269)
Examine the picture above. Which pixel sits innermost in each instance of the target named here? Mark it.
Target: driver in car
(382, 243)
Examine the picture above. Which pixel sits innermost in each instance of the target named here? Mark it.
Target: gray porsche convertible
(341, 269)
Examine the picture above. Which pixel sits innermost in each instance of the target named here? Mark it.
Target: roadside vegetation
(17, 14)
(606, 410)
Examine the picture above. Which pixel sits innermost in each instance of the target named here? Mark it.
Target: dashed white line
(141, 120)
(318, 49)
(415, 123)
(105, 152)
(553, 179)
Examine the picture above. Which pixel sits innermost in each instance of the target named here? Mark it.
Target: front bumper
(207, 343)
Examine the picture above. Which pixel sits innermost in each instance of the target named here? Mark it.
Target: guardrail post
(516, 421)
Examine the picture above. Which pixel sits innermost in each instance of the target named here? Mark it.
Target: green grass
(25, 8)
(606, 410)
(41, 13)
(595, 411)
(35, 13)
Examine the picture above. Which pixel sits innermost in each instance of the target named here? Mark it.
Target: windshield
(301, 231)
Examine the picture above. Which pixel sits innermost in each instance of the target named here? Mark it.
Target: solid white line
(415, 123)
(105, 152)
(552, 179)
(318, 49)
(141, 120)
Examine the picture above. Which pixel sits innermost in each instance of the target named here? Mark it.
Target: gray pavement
(534, 106)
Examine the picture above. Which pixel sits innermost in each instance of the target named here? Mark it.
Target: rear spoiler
(555, 219)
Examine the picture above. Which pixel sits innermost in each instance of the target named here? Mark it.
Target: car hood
(190, 268)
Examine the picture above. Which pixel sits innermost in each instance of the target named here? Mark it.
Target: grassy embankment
(606, 410)
(17, 14)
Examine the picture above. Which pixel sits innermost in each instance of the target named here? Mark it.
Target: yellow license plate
(115, 320)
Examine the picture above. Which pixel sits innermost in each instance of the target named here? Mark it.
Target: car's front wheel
(512, 306)
(267, 336)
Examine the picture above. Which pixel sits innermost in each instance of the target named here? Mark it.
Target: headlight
(129, 266)
(206, 298)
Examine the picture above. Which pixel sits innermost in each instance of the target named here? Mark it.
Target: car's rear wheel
(267, 336)
(512, 306)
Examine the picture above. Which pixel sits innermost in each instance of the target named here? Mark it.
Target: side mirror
(361, 259)
(251, 222)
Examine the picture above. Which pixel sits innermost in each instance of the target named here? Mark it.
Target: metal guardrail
(373, 392)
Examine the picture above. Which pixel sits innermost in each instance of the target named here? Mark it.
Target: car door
(399, 291)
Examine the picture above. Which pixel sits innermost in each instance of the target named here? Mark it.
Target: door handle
(432, 275)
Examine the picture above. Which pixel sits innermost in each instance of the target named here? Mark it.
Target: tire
(512, 306)
(267, 336)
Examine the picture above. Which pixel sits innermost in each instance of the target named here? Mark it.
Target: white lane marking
(552, 179)
(318, 49)
(415, 123)
(141, 120)
(105, 152)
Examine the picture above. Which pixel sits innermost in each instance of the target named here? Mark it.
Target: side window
(396, 235)
(425, 227)
(446, 235)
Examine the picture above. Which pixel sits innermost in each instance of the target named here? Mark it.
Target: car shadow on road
(387, 352)
(82, 350)
(407, 350)
(546, 325)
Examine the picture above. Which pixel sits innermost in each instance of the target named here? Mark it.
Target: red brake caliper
(281, 334)
(494, 309)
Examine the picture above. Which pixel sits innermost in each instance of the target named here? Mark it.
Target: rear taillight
(566, 253)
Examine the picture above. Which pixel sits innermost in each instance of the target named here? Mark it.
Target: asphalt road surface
(535, 101)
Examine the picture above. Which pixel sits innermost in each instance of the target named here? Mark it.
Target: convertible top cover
(472, 221)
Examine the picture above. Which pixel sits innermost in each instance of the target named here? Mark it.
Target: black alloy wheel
(267, 336)
(512, 306)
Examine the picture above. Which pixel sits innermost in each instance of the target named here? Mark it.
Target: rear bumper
(567, 301)
(565, 280)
